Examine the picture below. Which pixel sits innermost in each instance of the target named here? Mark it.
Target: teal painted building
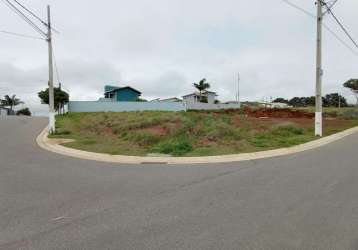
(121, 94)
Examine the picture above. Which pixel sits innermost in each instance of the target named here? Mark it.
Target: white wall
(207, 106)
(76, 107)
(3, 112)
(189, 99)
(211, 98)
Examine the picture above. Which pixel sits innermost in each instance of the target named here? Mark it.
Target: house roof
(198, 94)
(169, 99)
(121, 88)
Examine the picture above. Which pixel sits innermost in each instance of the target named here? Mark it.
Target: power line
(24, 17)
(21, 35)
(299, 8)
(58, 77)
(340, 39)
(341, 25)
(331, 5)
(34, 15)
(30, 12)
(324, 25)
(56, 68)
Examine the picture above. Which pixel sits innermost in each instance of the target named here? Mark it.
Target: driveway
(47, 201)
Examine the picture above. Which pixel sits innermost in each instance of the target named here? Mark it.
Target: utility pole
(339, 101)
(50, 81)
(319, 71)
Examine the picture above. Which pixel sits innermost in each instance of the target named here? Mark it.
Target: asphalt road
(48, 201)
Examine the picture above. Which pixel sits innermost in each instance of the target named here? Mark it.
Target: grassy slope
(185, 133)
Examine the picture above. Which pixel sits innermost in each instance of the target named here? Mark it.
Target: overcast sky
(161, 47)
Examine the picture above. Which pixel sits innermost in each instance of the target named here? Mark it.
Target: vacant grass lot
(187, 133)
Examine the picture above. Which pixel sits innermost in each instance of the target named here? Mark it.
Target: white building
(173, 99)
(274, 105)
(195, 97)
(279, 105)
(4, 112)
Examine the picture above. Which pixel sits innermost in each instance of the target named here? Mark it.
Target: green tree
(11, 101)
(280, 100)
(202, 86)
(141, 100)
(297, 102)
(352, 84)
(25, 112)
(335, 100)
(61, 99)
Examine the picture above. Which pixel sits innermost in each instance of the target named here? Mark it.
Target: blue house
(121, 94)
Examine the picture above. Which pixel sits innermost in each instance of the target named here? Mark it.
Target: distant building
(5, 112)
(279, 105)
(231, 102)
(173, 99)
(120, 94)
(195, 97)
(274, 105)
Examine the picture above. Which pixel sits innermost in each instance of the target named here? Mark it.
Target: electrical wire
(21, 35)
(56, 68)
(299, 8)
(30, 12)
(58, 77)
(331, 5)
(341, 25)
(34, 15)
(24, 17)
(324, 25)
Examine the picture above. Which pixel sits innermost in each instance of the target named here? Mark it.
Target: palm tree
(202, 86)
(11, 101)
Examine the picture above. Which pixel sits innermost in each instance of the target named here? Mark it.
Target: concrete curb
(53, 145)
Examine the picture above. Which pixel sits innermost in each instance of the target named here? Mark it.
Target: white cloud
(162, 47)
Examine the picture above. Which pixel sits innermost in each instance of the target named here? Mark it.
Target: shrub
(25, 112)
(174, 147)
(62, 132)
(143, 139)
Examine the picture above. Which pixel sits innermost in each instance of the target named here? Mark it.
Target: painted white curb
(53, 145)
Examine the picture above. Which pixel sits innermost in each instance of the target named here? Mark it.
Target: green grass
(345, 113)
(185, 133)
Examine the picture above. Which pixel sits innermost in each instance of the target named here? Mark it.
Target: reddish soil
(269, 113)
(206, 142)
(108, 131)
(156, 130)
(278, 113)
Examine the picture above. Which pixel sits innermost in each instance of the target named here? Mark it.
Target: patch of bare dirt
(158, 130)
(108, 131)
(278, 113)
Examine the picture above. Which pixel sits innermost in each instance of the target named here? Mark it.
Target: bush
(25, 112)
(62, 132)
(143, 139)
(174, 147)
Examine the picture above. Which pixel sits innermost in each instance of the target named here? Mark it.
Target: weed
(177, 147)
